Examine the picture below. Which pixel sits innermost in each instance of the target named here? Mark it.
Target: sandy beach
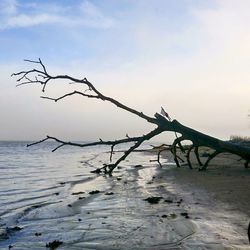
(222, 190)
(225, 180)
(191, 210)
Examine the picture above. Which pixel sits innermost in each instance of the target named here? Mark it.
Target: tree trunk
(199, 139)
(163, 123)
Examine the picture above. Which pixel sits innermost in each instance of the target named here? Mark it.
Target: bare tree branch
(83, 145)
(163, 124)
(70, 94)
(43, 78)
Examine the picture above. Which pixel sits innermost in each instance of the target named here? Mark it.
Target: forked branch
(163, 123)
(42, 77)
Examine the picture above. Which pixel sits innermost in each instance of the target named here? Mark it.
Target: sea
(37, 179)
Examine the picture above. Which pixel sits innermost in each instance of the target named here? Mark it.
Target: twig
(45, 78)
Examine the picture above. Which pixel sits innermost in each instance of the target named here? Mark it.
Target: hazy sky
(190, 56)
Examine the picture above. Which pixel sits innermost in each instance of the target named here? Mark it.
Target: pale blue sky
(190, 56)
(94, 30)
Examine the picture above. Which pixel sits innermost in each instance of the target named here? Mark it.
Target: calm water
(30, 176)
(36, 188)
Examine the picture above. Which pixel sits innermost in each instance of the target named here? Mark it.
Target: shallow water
(32, 176)
(47, 196)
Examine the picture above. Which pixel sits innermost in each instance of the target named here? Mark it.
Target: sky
(190, 56)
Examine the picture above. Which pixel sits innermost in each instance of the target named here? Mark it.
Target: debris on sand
(168, 201)
(138, 166)
(173, 216)
(153, 199)
(185, 215)
(13, 229)
(109, 193)
(77, 193)
(94, 192)
(96, 171)
(3, 234)
(179, 202)
(54, 244)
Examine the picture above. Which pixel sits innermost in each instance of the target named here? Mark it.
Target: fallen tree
(163, 123)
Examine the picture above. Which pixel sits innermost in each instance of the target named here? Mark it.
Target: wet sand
(225, 180)
(189, 209)
(218, 198)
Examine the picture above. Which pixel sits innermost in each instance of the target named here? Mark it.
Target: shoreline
(192, 209)
(223, 190)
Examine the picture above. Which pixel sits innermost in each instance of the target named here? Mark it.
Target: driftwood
(163, 123)
(199, 139)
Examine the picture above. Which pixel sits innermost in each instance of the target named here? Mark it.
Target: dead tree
(41, 76)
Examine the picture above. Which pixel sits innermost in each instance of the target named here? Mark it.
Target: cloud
(8, 7)
(94, 17)
(199, 70)
(23, 20)
(90, 9)
(16, 15)
(207, 85)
